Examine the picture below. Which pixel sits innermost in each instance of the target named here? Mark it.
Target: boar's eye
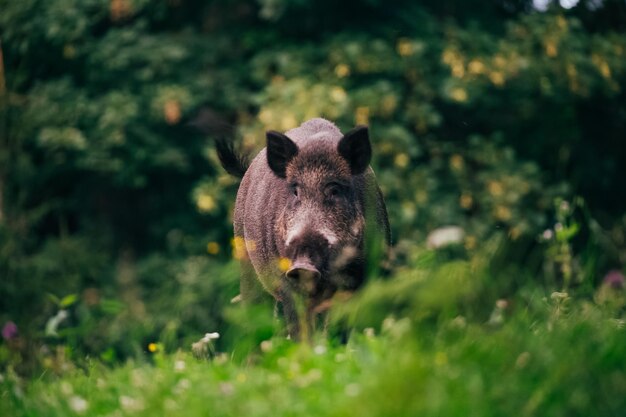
(334, 190)
(294, 189)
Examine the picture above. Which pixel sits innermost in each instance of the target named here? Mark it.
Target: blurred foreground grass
(536, 354)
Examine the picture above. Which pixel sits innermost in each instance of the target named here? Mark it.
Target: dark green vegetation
(115, 231)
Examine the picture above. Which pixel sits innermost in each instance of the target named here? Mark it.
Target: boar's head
(322, 224)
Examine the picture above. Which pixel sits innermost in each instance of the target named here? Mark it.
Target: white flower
(179, 366)
(131, 404)
(319, 349)
(547, 234)
(78, 404)
(266, 345)
(444, 236)
(210, 336)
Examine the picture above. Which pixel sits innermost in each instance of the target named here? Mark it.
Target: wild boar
(309, 216)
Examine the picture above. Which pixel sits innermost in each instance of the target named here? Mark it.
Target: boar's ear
(280, 150)
(356, 149)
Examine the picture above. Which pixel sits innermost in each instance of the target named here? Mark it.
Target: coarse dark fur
(235, 163)
(303, 209)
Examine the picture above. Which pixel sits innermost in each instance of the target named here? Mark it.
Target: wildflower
(206, 203)
(204, 347)
(557, 296)
(342, 70)
(239, 248)
(78, 404)
(613, 279)
(9, 331)
(213, 248)
(466, 201)
(131, 404)
(210, 336)
(227, 388)
(404, 47)
(401, 160)
(338, 94)
(179, 366)
(319, 349)
(611, 291)
(284, 264)
(497, 315)
(361, 116)
(458, 94)
(547, 234)
(456, 162)
(266, 345)
(153, 347)
(444, 236)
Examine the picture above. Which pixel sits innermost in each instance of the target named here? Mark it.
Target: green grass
(542, 356)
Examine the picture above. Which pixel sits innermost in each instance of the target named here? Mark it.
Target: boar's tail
(234, 162)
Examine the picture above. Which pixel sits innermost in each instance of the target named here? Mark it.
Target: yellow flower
(239, 248)
(284, 264)
(205, 203)
(153, 347)
(495, 188)
(342, 70)
(497, 78)
(288, 122)
(457, 162)
(338, 94)
(404, 47)
(401, 160)
(362, 115)
(476, 67)
(551, 49)
(459, 94)
(503, 213)
(213, 248)
(466, 201)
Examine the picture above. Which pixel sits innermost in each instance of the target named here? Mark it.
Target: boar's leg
(249, 286)
(290, 313)
(298, 317)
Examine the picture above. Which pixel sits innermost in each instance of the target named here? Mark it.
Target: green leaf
(68, 300)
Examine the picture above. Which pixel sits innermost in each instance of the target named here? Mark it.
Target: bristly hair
(235, 162)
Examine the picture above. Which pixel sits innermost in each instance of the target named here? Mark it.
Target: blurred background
(498, 127)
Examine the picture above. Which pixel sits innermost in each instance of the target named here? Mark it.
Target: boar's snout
(304, 275)
(303, 270)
